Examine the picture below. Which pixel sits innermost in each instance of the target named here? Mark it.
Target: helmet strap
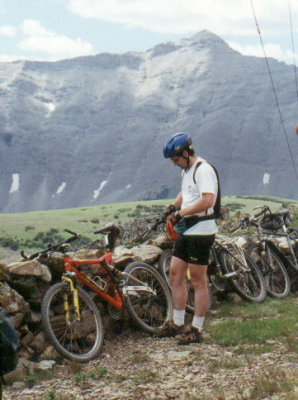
(187, 159)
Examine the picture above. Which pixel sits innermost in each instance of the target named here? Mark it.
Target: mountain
(90, 130)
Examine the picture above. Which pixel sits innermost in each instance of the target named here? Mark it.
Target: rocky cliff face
(90, 130)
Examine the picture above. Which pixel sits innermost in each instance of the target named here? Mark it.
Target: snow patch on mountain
(15, 185)
(61, 188)
(97, 191)
(266, 178)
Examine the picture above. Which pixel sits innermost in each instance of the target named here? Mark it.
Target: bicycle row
(251, 271)
(71, 318)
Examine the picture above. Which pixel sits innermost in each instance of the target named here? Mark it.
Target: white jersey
(206, 182)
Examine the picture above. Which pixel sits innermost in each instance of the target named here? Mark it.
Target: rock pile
(24, 284)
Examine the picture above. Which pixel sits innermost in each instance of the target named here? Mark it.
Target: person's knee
(199, 280)
(175, 276)
(199, 284)
(177, 273)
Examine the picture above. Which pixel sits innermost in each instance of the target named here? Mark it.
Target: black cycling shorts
(194, 249)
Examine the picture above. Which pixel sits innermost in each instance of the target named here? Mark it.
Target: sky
(51, 30)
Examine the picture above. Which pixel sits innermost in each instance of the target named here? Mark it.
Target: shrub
(28, 228)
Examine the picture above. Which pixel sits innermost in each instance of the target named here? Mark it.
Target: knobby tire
(248, 283)
(148, 310)
(78, 341)
(276, 277)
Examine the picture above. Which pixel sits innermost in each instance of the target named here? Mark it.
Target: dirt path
(134, 365)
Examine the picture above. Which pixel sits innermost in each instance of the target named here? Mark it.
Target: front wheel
(276, 278)
(243, 275)
(215, 273)
(77, 340)
(148, 298)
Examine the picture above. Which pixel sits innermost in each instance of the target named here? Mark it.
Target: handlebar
(159, 221)
(60, 246)
(264, 210)
(242, 225)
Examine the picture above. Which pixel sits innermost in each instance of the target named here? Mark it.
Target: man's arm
(178, 201)
(205, 202)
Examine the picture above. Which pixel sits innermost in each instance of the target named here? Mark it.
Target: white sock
(198, 322)
(178, 317)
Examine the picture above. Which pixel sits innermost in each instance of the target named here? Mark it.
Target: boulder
(29, 268)
(12, 301)
(123, 256)
(162, 241)
(147, 253)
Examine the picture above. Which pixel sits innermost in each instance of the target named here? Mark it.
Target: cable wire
(293, 47)
(274, 91)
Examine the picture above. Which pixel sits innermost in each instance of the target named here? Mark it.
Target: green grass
(254, 349)
(254, 324)
(215, 365)
(246, 204)
(274, 381)
(33, 230)
(269, 308)
(20, 230)
(96, 373)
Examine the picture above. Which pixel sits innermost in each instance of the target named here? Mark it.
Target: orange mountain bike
(70, 317)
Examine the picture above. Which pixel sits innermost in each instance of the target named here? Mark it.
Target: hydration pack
(216, 208)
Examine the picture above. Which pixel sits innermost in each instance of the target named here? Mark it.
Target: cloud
(182, 17)
(8, 31)
(10, 58)
(39, 39)
(271, 49)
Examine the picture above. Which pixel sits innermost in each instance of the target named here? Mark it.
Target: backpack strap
(216, 207)
(194, 173)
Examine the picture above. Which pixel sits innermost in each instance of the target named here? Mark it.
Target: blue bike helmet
(176, 145)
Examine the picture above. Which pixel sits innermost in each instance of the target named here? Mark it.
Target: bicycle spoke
(150, 310)
(75, 339)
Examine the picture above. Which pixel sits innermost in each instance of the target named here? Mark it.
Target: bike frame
(233, 244)
(104, 261)
(110, 272)
(292, 260)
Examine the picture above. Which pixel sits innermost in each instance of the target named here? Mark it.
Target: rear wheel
(215, 274)
(276, 278)
(152, 307)
(76, 340)
(244, 275)
(164, 264)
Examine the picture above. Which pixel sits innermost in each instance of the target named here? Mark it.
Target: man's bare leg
(178, 270)
(199, 281)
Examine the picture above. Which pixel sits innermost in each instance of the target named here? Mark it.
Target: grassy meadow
(33, 230)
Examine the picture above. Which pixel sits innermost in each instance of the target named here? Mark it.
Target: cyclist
(194, 207)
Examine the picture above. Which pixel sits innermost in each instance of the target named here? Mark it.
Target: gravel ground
(134, 365)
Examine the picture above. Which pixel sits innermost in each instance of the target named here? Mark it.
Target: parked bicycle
(72, 321)
(230, 267)
(266, 254)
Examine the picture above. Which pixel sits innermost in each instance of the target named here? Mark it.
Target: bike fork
(75, 298)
